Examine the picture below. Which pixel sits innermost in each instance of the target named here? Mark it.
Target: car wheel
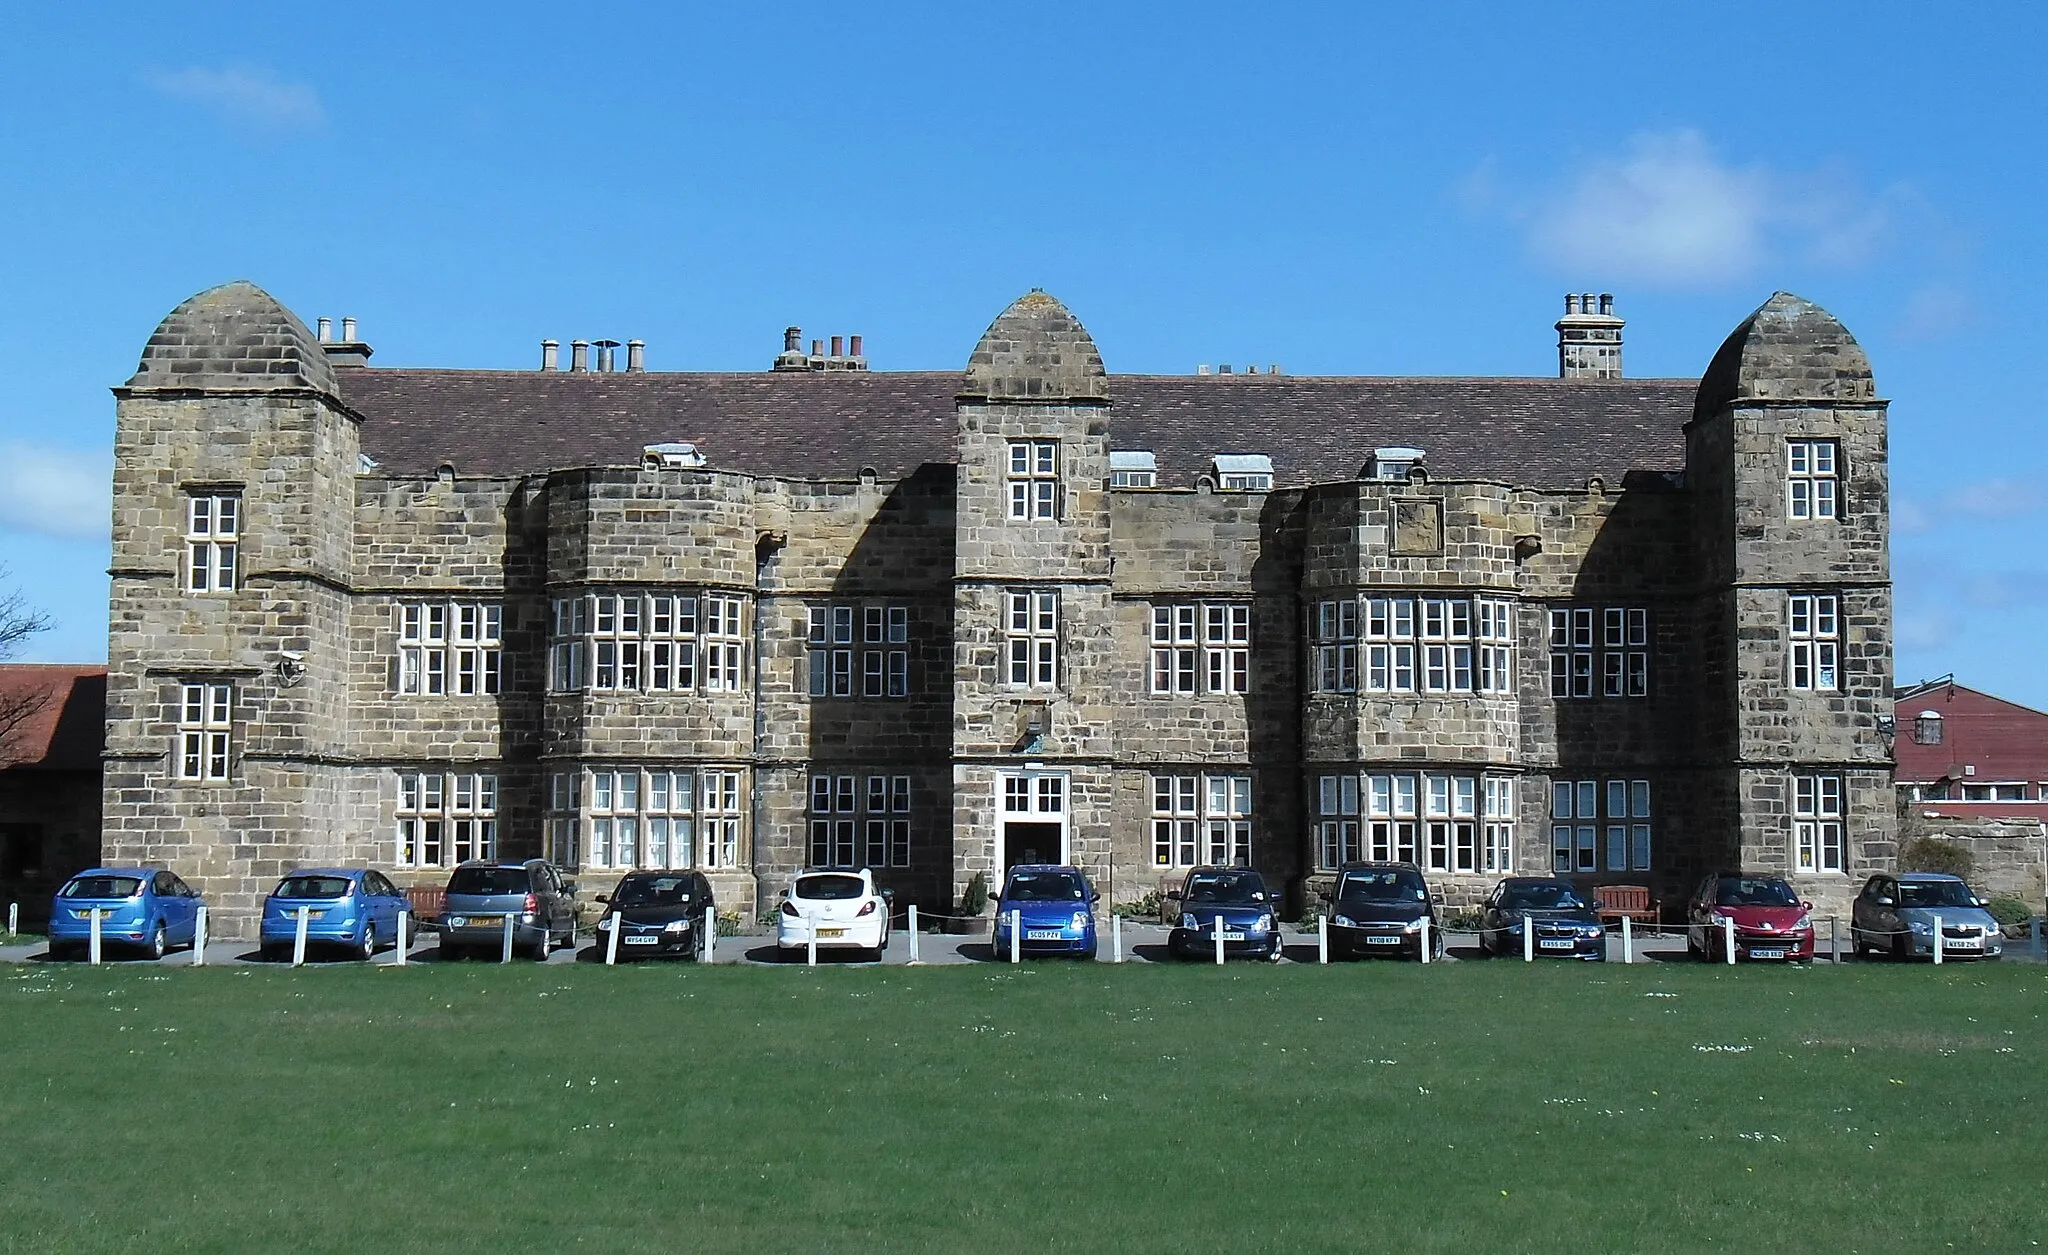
(452, 952)
(539, 952)
(368, 949)
(159, 941)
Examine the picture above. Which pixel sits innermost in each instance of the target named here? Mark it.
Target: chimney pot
(854, 345)
(792, 339)
(348, 330)
(1607, 303)
(636, 355)
(326, 330)
(549, 354)
(838, 342)
(579, 356)
(817, 348)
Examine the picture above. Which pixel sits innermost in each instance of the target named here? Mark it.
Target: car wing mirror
(1094, 896)
(1594, 904)
(1173, 895)
(1806, 906)
(1883, 901)
(785, 893)
(604, 897)
(1979, 902)
(888, 895)
(568, 886)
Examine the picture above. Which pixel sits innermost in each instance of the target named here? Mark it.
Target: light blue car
(1896, 915)
(139, 907)
(352, 907)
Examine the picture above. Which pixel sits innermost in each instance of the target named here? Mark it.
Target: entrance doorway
(1032, 843)
(1032, 827)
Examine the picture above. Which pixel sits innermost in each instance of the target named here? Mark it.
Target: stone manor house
(936, 623)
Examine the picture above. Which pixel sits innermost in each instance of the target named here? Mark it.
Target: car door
(161, 905)
(383, 908)
(188, 909)
(1863, 911)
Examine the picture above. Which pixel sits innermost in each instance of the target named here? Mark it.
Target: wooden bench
(428, 902)
(1631, 902)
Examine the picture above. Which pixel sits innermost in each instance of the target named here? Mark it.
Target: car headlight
(1189, 922)
(1414, 925)
(1720, 917)
(606, 924)
(1921, 926)
(1345, 920)
(1265, 923)
(1590, 931)
(1803, 924)
(1081, 919)
(677, 926)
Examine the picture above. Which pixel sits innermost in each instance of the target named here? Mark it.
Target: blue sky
(1346, 188)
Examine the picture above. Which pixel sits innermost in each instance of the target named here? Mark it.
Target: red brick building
(1968, 755)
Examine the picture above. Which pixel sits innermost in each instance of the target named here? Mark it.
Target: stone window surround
(1412, 644)
(212, 539)
(859, 819)
(1033, 480)
(1031, 638)
(1812, 479)
(204, 715)
(1813, 628)
(586, 816)
(450, 648)
(1819, 841)
(1582, 812)
(831, 655)
(1445, 822)
(1201, 819)
(649, 640)
(1217, 633)
(1619, 655)
(445, 818)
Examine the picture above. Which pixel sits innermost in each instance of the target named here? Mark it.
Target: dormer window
(1927, 728)
(1393, 463)
(1133, 469)
(1244, 472)
(673, 455)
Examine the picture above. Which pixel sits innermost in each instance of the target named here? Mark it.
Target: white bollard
(14, 919)
(1425, 939)
(1219, 941)
(1728, 937)
(1937, 940)
(1016, 936)
(710, 934)
(93, 948)
(199, 937)
(1322, 939)
(1116, 938)
(1528, 938)
(912, 926)
(1628, 949)
(505, 951)
(811, 944)
(299, 940)
(404, 941)
(611, 942)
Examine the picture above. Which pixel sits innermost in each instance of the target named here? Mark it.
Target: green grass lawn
(1473, 1107)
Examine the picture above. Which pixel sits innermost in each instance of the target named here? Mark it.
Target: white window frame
(635, 641)
(859, 820)
(653, 817)
(450, 649)
(1601, 825)
(1812, 479)
(1337, 820)
(213, 530)
(1333, 638)
(205, 718)
(1819, 836)
(857, 650)
(1201, 820)
(1494, 627)
(1599, 651)
(1031, 638)
(1033, 480)
(445, 818)
(1200, 647)
(1813, 628)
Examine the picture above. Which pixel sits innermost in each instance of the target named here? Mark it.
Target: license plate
(640, 941)
(831, 932)
(82, 914)
(1559, 943)
(1766, 954)
(1960, 943)
(1383, 941)
(1231, 936)
(1041, 934)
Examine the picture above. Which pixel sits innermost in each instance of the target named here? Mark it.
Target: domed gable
(234, 337)
(1036, 351)
(1789, 350)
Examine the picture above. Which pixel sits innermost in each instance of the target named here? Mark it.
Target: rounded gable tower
(235, 337)
(1790, 349)
(1036, 350)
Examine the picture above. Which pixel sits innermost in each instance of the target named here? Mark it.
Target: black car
(1563, 920)
(657, 913)
(1379, 909)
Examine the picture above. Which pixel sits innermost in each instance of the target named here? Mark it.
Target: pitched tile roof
(1545, 433)
(53, 716)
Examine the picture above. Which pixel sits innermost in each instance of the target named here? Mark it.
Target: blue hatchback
(1053, 907)
(1234, 897)
(344, 906)
(137, 906)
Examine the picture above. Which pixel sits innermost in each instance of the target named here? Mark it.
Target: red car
(1770, 920)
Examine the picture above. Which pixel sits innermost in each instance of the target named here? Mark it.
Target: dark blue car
(1053, 907)
(344, 906)
(1236, 896)
(145, 907)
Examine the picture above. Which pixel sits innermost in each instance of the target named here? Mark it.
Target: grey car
(542, 907)
(1896, 915)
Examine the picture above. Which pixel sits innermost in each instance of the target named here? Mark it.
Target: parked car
(843, 908)
(1378, 909)
(1561, 920)
(146, 907)
(1770, 920)
(1053, 908)
(1895, 915)
(1235, 895)
(351, 907)
(657, 913)
(481, 895)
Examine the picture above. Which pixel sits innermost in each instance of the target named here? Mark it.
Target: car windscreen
(488, 880)
(102, 887)
(1226, 888)
(312, 887)
(1044, 887)
(1934, 893)
(1541, 897)
(1754, 891)
(1387, 886)
(655, 891)
(829, 888)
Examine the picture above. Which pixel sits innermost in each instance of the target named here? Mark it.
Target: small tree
(1937, 854)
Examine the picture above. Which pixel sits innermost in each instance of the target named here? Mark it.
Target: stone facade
(972, 643)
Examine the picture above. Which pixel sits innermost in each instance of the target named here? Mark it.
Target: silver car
(1896, 915)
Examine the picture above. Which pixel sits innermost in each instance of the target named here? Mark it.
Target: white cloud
(1669, 210)
(2003, 497)
(1938, 309)
(55, 492)
(246, 96)
(1910, 518)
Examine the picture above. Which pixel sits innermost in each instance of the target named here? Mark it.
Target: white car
(844, 909)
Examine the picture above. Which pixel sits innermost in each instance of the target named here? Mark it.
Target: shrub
(730, 923)
(974, 899)
(1937, 854)
(2007, 909)
(1467, 920)
(1146, 907)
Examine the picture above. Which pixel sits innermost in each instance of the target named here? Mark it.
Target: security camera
(291, 655)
